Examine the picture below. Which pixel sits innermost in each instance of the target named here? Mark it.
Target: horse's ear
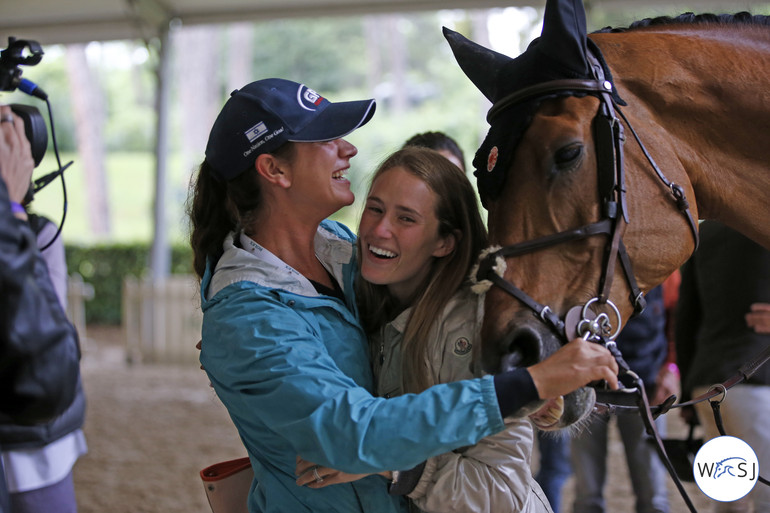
(560, 52)
(564, 36)
(477, 62)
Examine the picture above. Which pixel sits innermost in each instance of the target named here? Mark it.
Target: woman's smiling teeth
(382, 253)
(338, 175)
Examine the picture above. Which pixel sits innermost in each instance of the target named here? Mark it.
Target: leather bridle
(609, 139)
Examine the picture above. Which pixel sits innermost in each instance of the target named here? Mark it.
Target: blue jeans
(554, 465)
(589, 461)
(59, 497)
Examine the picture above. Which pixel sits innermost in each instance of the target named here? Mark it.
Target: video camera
(10, 79)
(28, 53)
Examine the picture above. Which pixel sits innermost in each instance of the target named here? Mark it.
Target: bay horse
(603, 152)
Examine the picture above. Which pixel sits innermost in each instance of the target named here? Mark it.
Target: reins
(650, 413)
(609, 139)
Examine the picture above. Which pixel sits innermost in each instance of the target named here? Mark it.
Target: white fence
(161, 321)
(78, 292)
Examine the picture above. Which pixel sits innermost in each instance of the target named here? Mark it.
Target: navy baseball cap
(264, 115)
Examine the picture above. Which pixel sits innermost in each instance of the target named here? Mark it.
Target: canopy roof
(76, 21)
(72, 21)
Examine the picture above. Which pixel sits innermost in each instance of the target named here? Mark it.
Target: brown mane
(740, 18)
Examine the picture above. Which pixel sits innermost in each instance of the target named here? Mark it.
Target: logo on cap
(256, 132)
(306, 96)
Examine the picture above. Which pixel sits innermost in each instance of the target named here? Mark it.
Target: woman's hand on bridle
(574, 365)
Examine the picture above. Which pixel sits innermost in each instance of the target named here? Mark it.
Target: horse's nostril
(524, 348)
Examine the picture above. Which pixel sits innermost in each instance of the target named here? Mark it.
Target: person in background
(555, 467)
(282, 344)
(39, 351)
(38, 460)
(724, 293)
(758, 318)
(419, 236)
(440, 142)
(645, 347)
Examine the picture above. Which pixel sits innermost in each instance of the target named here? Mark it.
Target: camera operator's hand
(16, 162)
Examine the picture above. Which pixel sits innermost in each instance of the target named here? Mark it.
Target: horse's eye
(568, 156)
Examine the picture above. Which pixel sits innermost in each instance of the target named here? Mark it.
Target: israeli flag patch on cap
(256, 132)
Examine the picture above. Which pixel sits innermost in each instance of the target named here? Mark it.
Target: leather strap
(649, 424)
(721, 429)
(544, 89)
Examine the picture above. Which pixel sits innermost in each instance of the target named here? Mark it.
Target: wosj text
(734, 466)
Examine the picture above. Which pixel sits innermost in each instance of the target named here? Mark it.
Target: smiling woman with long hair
(457, 221)
(419, 236)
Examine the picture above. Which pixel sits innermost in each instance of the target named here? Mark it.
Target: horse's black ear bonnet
(559, 53)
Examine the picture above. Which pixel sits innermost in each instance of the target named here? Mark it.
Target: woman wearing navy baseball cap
(281, 340)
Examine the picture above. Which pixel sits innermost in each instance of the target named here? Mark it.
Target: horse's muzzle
(525, 344)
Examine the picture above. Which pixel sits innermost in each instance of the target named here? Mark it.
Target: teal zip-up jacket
(292, 367)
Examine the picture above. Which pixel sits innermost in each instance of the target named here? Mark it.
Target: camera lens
(34, 127)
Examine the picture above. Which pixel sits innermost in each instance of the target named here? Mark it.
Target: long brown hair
(458, 214)
(215, 208)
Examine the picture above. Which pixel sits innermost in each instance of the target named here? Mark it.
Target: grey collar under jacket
(239, 264)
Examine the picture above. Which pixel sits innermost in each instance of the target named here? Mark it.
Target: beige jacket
(491, 476)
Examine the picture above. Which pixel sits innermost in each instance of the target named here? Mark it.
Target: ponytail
(210, 218)
(216, 208)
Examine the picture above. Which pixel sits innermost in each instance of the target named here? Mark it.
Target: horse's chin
(565, 411)
(548, 416)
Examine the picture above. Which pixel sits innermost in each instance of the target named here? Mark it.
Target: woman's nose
(382, 228)
(346, 149)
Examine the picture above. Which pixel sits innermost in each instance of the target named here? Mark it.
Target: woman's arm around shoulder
(495, 474)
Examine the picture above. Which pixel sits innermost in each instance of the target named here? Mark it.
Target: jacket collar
(254, 263)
